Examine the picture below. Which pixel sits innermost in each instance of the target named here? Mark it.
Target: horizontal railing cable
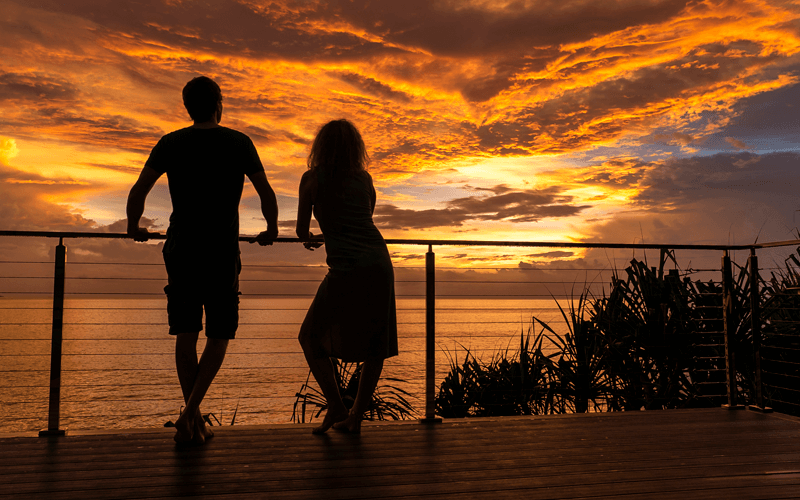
(271, 280)
(437, 242)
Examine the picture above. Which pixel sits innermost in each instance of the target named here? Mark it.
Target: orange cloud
(736, 143)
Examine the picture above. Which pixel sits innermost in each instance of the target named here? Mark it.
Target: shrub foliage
(655, 341)
(389, 402)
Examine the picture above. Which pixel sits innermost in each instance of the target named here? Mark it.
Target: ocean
(118, 361)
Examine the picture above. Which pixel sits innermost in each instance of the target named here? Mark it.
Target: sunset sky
(624, 121)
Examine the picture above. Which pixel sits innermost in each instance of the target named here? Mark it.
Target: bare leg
(322, 369)
(186, 364)
(187, 426)
(370, 374)
(186, 361)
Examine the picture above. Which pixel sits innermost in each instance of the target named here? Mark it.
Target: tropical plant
(457, 392)
(389, 402)
(654, 341)
(580, 373)
(511, 383)
(645, 323)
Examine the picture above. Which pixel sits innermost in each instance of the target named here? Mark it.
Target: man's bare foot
(184, 430)
(330, 419)
(351, 424)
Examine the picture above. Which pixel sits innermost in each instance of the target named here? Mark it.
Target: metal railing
(730, 319)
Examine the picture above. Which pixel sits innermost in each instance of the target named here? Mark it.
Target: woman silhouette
(353, 315)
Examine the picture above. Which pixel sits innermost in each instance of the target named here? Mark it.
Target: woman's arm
(305, 206)
(373, 196)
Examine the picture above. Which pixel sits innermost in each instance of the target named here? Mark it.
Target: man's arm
(269, 207)
(136, 197)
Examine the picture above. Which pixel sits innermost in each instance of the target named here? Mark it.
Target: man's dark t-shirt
(205, 169)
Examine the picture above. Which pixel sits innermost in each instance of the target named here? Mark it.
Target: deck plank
(711, 453)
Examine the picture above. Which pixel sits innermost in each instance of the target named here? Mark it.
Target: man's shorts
(195, 285)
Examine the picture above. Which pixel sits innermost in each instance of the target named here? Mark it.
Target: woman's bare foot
(351, 424)
(331, 417)
(204, 429)
(199, 437)
(184, 430)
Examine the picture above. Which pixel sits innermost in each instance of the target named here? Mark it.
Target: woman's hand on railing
(140, 233)
(315, 241)
(265, 238)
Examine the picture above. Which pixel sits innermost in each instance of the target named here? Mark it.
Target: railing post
(59, 274)
(755, 318)
(430, 338)
(729, 327)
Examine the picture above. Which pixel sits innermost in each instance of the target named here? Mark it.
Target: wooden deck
(687, 454)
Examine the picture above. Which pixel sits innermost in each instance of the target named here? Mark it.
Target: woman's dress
(353, 316)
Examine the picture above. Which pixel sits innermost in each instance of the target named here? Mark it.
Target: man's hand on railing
(265, 238)
(139, 233)
(316, 241)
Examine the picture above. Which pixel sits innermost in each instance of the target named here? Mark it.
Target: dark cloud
(121, 226)
(512, 206)
(374, 87)
(518, 206)
(35, 87)
(768, 121)
(620, 173)
(556, 254)
(228, 28)
(148, 76)
(498, 189)
(683, 181)
(393, 217)
(44, 28)
(454, 29)
(483, 89)
(768, 114)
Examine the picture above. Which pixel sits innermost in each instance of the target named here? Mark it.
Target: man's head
(202, 98)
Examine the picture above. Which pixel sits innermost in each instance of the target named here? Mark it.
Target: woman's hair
(201, 96)
(338, 149)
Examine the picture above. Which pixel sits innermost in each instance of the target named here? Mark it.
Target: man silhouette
(205, 166)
